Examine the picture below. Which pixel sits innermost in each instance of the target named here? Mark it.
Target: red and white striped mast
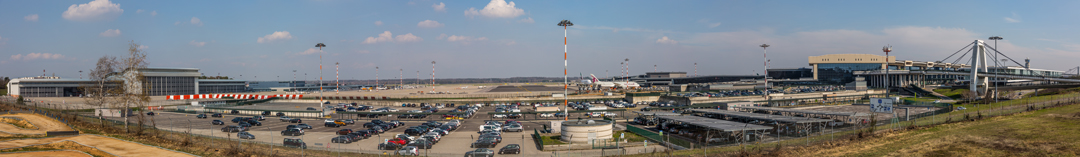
(695, 70)
(432, 76)
(376, 79)
(566, 100)
(401, 77)
(320, 45)
(337, 76)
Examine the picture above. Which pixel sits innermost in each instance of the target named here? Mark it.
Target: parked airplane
(623, 84)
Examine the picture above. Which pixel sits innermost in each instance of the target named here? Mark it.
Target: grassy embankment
(1046, 132)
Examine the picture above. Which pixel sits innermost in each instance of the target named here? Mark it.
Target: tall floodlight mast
(432, 76)
(376, 79)
(320, 46)
(337, 78)
(887, 49)
(566, 101)
(996, 38)
(765, 54)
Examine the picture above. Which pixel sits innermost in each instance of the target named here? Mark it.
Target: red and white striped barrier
(234, 96)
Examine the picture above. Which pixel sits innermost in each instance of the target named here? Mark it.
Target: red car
(344, 131)
(398, 141)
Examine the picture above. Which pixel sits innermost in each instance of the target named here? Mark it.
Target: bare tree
(118, 84)
(135, 93)
(100, 92)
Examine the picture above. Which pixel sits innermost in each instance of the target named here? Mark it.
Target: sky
(267, 40)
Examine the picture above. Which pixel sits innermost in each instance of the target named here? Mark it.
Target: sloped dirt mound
(53, 153)
(19, 122)
(62, 145)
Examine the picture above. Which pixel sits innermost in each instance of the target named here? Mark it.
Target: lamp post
(337, 78)
(995, 39)
(564, 24)
(320, 46)
(376, 79)
(80, 73)
(887, 49)
(765, 54)
(401, 77)
(433, 76)
(627, 71)
(695, 70)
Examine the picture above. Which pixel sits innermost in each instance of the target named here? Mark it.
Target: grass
(629, 136)
(1047, 132)
(923, 99)
(551, 140)
(952, 93)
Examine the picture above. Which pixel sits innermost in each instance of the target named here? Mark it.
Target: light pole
(695, 70)
(654, 68)
(293, 83)
(887, 49)
(765, 54)
(80, 71)
(627, 71)
(995, 39)
(432, 76)
(401, 77)
(337, 78)
(418, 77)
(376, 79)
(320, 45)
(564, 24)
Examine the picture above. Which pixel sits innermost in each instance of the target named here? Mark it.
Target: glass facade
(213, 87)
(167, 85)
(840, 73)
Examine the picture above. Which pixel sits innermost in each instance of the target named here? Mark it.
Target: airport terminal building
(160, 81)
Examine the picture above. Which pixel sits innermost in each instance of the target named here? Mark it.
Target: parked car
(425, 144)
(254, 122)
(217, 122)
(295, 120)
(292, 132)
(513, 128)
(261, 118)
(279, 114)
(481, 152)
(265, 113)
(311, 109)
(292, 126)
(200, 116)
(295, 143)
(331, 124)
(233, 128)
(409, 150)
(150, 113)
(284, 118)
(244, 124)
(349, 121)
(234, 112)
(362, 133)
(304, 126)
(216, 115)
(245, 135)
(344, 131)
(484, 143)
(510, 149)
(341, 139)
(414, 131)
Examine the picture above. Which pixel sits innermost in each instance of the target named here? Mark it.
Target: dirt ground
(58, 153)
(44, 124)
(111, 145)
(106, 144)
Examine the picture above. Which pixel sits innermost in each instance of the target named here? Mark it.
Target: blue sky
(481, 39)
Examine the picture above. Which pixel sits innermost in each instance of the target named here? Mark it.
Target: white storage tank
(586, 130)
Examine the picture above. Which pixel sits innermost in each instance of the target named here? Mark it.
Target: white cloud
(110, 33)
(496, 9)
(386, 36)
(143, 47)
(31, 17)
(442, 36)
(665, 40)
(139, 11)
(408, 38)
(93, 11)
(1014, 19)
(441, 7)
(378, 23)
(176, 23)
(429, 24)
(33, 56)
(197, 44)
(153, 13)
(463, 39)
(196, 21)
(527, 20)
(310, 51)
(276, 36)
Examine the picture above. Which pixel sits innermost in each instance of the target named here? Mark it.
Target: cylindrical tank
(580, 130)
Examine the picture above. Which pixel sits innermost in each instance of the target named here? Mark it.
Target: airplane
(624, 84)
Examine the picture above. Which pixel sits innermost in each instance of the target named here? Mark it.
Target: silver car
(409, 150)
(513, 128)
